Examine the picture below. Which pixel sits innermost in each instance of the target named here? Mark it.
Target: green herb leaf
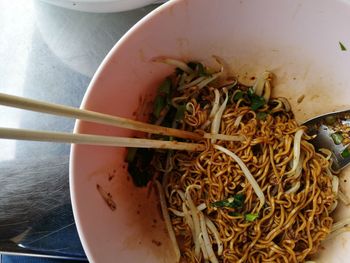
(251, 217)
(261, 116)
(257, 102)
(342, 47)
(235, 201)
(165, 87)
(345, 153)
(180, 113)
(337, 138)
(238, 95)
(159, 104)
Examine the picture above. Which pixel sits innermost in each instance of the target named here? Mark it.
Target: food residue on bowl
(300, 99)
(107, 197)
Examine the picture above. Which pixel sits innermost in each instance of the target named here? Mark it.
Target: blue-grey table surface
(47, 53)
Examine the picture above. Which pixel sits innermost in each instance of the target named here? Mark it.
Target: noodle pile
(259, 192)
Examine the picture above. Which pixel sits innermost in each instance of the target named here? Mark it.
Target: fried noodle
(276, 207)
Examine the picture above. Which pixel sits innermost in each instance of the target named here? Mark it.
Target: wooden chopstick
(31, 135)
(92, 116)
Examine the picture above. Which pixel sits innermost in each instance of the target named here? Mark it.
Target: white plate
(102, 6)
(297, 40)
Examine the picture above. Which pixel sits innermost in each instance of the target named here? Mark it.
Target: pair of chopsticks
(92, 116)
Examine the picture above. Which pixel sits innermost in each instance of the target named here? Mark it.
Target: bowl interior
(297, 40)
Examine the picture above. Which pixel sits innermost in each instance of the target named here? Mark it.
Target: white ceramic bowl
(297, 40)
(100, 6)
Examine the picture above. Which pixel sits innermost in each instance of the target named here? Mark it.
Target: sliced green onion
(251, 217)
(337, 138)
(345, 153)
(342, 47)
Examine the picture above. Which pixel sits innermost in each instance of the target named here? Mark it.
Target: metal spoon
(324, 128)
